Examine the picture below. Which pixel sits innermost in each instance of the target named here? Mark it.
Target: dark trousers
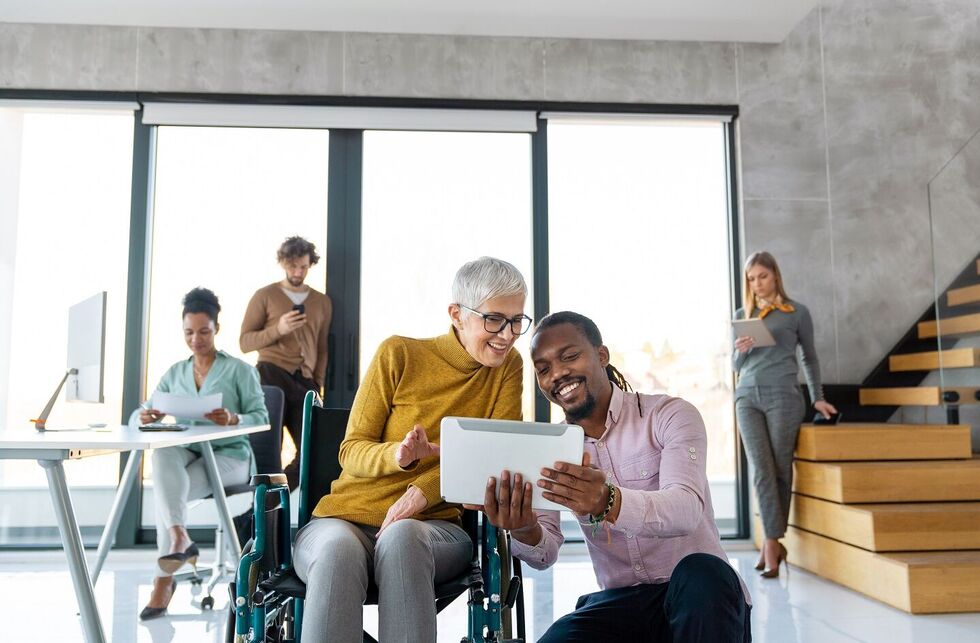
(295, 386)
(703, 602)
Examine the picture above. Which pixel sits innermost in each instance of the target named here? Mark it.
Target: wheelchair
(268, 597)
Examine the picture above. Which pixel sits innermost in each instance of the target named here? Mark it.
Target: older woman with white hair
(384, 518)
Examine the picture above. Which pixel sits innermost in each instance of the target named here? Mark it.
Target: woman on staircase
(769, 405)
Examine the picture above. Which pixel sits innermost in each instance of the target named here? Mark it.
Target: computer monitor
(86, 350)
(84, 374)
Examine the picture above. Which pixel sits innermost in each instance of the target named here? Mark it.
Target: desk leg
(126, 484)
(218, 492)
(72, 540)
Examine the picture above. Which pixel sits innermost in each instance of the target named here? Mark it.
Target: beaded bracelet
(595, 521)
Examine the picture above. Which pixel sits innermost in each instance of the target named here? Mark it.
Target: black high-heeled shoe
(153, 612)
(170, 563)
(761, 563)
(774, 572)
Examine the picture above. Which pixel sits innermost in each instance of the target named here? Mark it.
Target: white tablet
(472, 450)
(754, 328)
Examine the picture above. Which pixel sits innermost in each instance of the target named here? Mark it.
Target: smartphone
(820, 419)
(300, 308)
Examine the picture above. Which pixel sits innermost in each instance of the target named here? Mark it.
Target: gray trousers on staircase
(769, 419)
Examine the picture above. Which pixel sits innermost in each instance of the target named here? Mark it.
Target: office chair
(268, 596)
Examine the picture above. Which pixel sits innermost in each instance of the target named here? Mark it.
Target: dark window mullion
(742, 529)
(539, 244)
(137, 296)
(344, 265)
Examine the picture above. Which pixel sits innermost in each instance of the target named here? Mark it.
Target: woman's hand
(411, 502)
(148, 416)
(414, 447)
(825, 408)
(744, 344)
(222, 417)
(580, 488)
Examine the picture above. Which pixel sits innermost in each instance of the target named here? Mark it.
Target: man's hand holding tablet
(580, 488)
(513, 510)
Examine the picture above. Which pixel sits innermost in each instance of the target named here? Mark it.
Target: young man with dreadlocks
(641, 497)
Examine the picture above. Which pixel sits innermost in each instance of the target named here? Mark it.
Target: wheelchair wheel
(207, 603)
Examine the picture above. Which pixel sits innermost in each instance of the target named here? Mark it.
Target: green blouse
(241, 393)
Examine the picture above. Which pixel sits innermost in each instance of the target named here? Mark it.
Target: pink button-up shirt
(656, 461)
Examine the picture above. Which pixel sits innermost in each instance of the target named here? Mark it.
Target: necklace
(201, 374)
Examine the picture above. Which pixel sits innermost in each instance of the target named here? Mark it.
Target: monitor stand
(43, 418)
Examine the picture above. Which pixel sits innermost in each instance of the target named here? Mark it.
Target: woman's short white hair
(484, 279)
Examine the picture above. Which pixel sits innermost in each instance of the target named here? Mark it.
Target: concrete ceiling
(705, 20)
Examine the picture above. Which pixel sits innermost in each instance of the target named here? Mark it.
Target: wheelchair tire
(230, 624)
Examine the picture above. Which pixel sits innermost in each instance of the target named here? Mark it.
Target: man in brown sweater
(287, 323)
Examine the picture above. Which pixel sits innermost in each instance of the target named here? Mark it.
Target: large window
(638, 238)
(224, 199)
(64, 221)
(638, 241)
(431, 202)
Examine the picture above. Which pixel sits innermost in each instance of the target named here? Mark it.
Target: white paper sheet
(186, 407)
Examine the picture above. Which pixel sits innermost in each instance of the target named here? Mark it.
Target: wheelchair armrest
(269, 479)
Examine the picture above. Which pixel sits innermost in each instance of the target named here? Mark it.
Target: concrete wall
(842, 124)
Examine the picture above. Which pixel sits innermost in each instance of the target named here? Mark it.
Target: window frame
(343, 241)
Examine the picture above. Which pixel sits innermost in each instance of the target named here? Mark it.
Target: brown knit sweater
(305, 348)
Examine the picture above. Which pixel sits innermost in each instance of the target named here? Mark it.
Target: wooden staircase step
(898, 481)
(916, 582)
(961, 325)
(879, 441)
(934, 360)
(917, 526)
(965, 295)
(913, 395)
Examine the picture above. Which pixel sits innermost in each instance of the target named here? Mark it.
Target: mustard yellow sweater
(409, 382)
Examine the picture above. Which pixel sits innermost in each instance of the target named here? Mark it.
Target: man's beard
(295, 283)
(584, 410)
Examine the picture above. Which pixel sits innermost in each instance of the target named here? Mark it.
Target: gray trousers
(179, 476)
(336, 559)
(769, 420)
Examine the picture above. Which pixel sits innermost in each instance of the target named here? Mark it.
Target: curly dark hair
(591, 332)
(202, 300)
(296, 247)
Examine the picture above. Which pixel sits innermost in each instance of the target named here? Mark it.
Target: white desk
(52, 448)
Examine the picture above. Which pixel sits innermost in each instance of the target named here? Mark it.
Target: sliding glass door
(639, 242)
(224, 199)
(64, 234)
(431, 202)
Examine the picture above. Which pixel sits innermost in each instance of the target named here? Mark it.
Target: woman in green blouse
(178, 472)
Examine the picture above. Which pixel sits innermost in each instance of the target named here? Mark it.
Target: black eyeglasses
(494, 323)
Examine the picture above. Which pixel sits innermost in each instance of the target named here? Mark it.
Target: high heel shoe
(170, 563)
(153, 612)
(774, 572)
(761, 563)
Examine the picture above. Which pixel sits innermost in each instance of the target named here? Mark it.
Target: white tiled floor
(38, 604)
